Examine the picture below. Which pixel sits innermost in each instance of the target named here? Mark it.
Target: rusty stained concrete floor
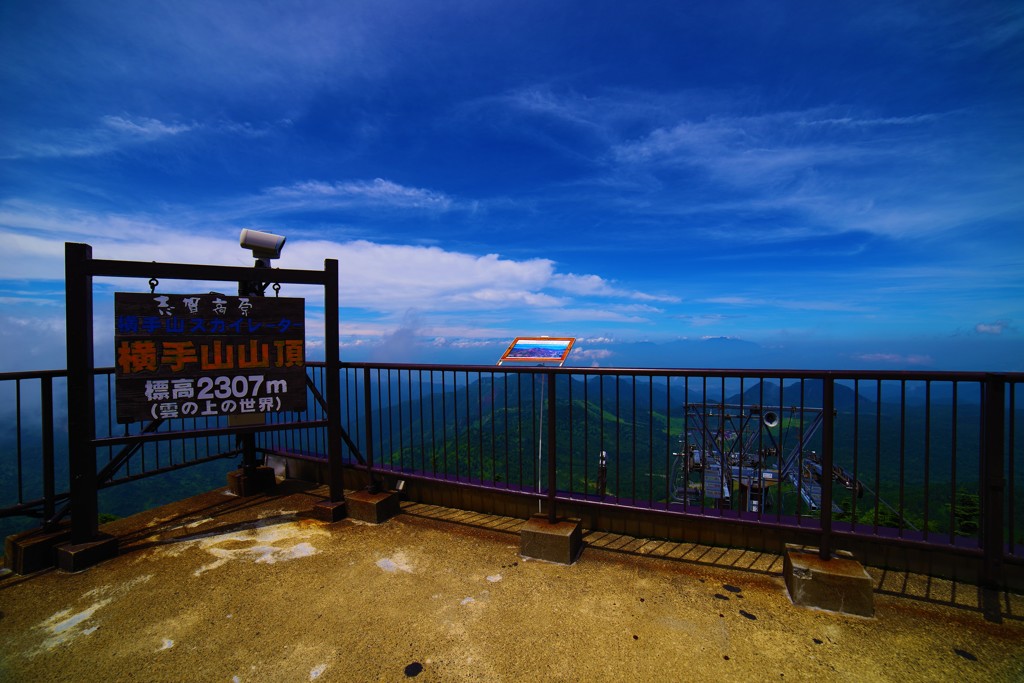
(218, 588)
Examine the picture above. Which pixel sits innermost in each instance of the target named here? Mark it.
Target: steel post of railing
(827, 481)
(335, 467)
(993, 485)
(81, 397)
(552, 464)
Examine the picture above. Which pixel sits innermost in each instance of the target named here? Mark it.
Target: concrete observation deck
(222, 588)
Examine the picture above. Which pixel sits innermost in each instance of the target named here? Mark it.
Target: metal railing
(919, 460)
(926, 460)
(34, 444)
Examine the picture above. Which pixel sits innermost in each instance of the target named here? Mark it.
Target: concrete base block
(560, 542)
(328, 511)
(838, 585)
(258, 480)
(372, 507)
(33, 550)
(74, 557)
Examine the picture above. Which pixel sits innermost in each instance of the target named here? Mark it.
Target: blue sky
(688, 184)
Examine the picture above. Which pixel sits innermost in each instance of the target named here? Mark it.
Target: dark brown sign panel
(198, 355)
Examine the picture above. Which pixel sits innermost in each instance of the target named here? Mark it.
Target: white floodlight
(264, 245)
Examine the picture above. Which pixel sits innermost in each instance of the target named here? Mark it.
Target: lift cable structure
(752, 448)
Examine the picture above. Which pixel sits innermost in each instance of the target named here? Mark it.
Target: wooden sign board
(206, 355)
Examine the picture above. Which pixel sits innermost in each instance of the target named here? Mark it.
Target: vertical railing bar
(304, 441)
(380, 414)
(618, 434)
(455, 421)
(800, 457)
(412, 436)
(455, 406)
(351, 403)
(600, 414)
(903, 451)
(504, 385)
(856, 452)
(314, 442)
(782, 455)
(310, 442)
(1010, 479)
(762, 497)
(540, 427)
(953, 465)
(827, 461)
(423, 434)
(724, 474)
(110, 416)
(536, 414)
(650, 441)
(927, 452)
(704, 446)
(479, 410)
(552, 451)
(519, 419)
(494, 429)
(586, 436)
(686, 440)
(317, 441)
(433, 426)
(572, 453)
(668, 441)
(739, 443)
(368, 417)
(634, 454)
(17, 429)
(444, 423)
(469, 430)
(49, 486)
(878, 454)
(390, 415)
(401, 431)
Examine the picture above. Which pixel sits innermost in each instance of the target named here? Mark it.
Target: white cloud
(853, 122)
(376, 192)
(832, 171)
(143, 128)
(31, 341)
(382, 280)
(747, 152)
(997, 327)
(112, 133)
(593, 285)
(592, 354)
(789, 304)
(895, 358)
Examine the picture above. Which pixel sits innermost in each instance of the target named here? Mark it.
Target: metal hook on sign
(153, 282)
(277, 289)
